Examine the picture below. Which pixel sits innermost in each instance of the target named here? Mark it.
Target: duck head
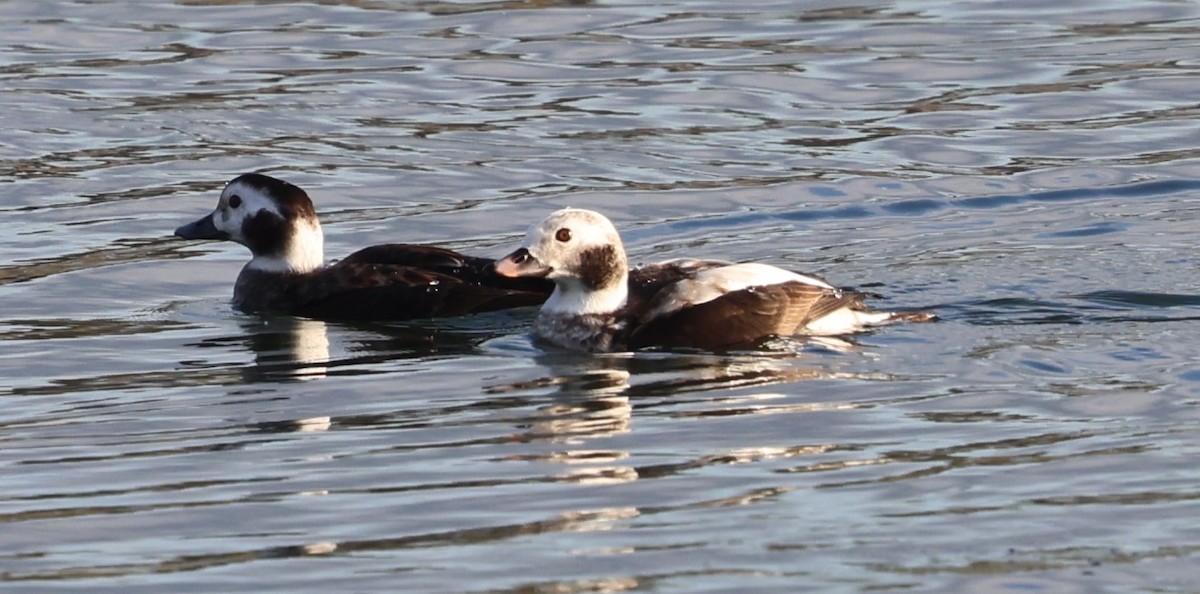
(581, 251)
(273, 218)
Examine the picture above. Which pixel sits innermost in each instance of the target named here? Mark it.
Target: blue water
(1029, 172)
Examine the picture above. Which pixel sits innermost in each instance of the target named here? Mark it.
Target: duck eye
(563, 235)
(235, 201)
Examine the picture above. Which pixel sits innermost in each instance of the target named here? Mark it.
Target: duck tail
(912, 316)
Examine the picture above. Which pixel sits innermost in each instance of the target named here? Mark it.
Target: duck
(599, 305)
(287, 272)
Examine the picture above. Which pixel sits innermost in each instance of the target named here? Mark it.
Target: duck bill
(202, 229)
(521, 264)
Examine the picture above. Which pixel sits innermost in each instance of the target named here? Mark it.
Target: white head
(273, 218)
(582, 253)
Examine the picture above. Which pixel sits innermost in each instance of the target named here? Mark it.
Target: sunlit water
(1029, 171)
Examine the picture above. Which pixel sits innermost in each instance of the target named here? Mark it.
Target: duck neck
(572, 297)
(303, 251)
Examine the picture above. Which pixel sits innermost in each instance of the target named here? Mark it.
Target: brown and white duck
(287, 272)
(598, 304)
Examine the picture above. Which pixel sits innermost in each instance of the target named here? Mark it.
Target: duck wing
(649, 281)
(739, 317)
(405, 254)
(469, 269)
(360, 290)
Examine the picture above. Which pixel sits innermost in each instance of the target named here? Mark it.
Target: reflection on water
(1028, 172)
(287, 348)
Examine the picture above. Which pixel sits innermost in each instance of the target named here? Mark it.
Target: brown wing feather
(405, 254)
(361, 291)
(830, 302)
(740, 317)
(469, 269)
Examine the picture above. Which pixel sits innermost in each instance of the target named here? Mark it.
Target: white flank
(687, 263)
(736, 277)
(845, 321)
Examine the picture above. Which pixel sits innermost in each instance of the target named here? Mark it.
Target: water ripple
(1028, 171)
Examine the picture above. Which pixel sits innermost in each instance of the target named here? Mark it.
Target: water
(1029, 172)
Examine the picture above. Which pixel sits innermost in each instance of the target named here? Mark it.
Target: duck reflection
(286, 348)
(588, 399)
(294, 349)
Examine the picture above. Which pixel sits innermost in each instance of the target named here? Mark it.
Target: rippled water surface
(1028, 170)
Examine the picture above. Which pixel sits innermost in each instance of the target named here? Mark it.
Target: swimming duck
(598, 305)
(287, 272)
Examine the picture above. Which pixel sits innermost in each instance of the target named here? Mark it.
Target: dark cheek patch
(599, 267)
(266, 233)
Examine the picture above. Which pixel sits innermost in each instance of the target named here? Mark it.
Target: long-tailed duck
(598, 304)
(288, 273)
